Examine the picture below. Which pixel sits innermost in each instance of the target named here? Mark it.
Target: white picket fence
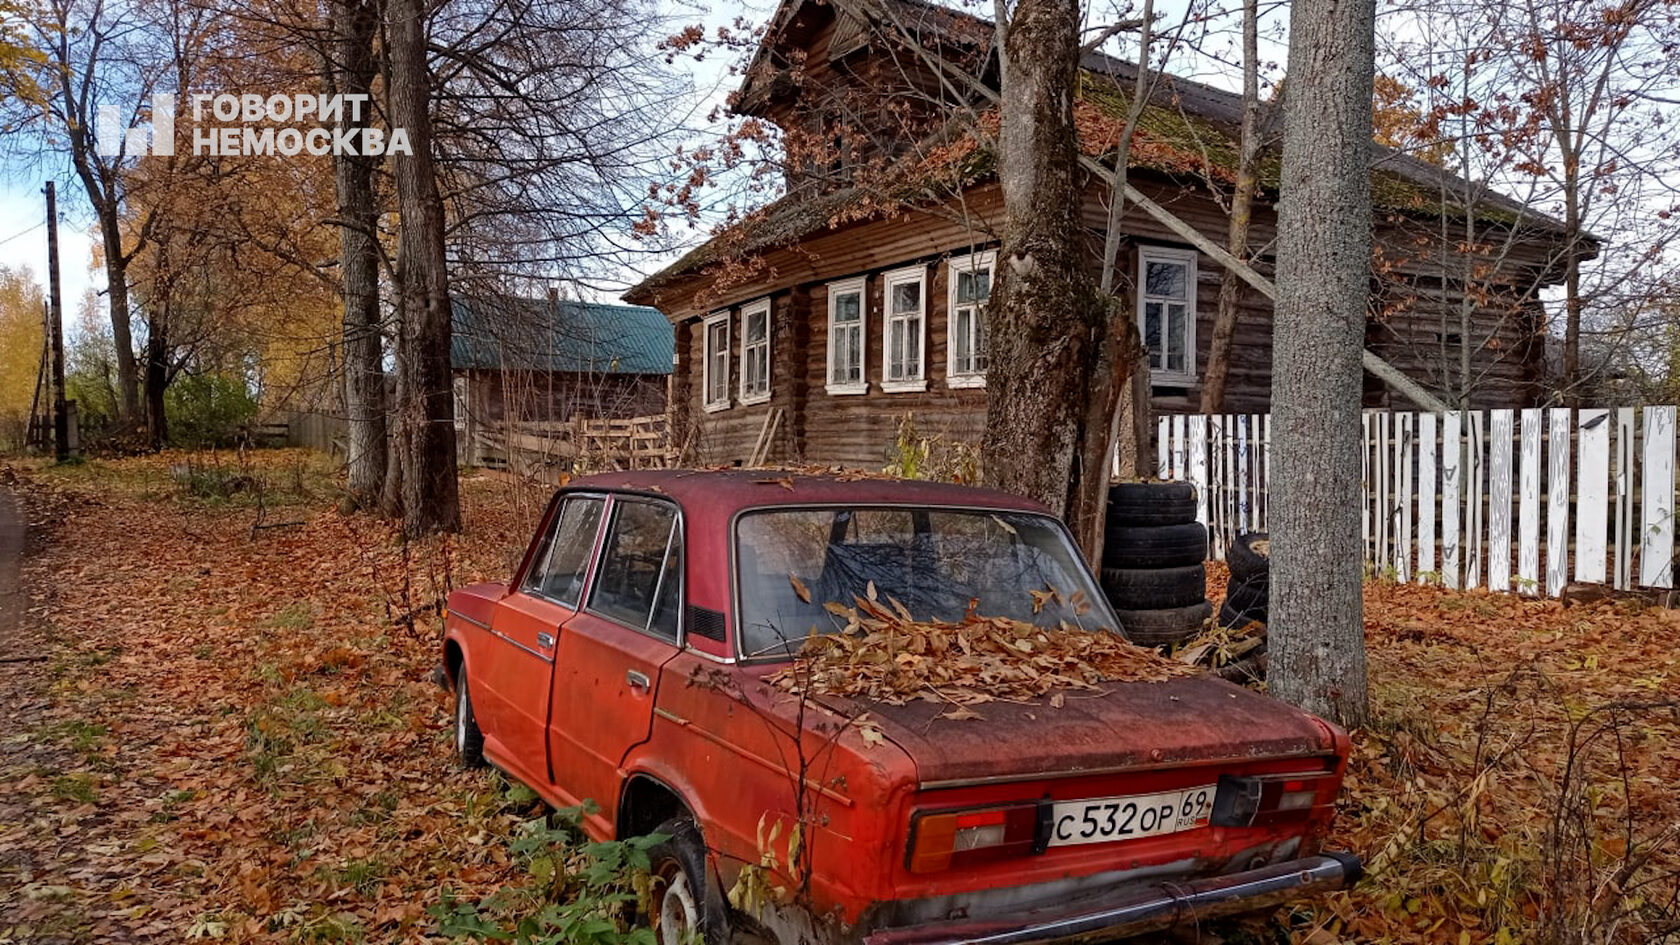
(1590, 492)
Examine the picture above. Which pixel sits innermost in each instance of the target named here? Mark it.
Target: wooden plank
(1426, 473)
(1475, 488)
(1380, 510)
(1228, 528)
(1452, 499)
(1365, 490)
(1195, 448)
(1528, 505)
(1264, 474)
(1557, 501)
(1181, 448)
(1656, 501)
(1592, 505)
(1244, 496)
(1501, 429)
(1163, 448)
(1403, 445)
(1625, 537)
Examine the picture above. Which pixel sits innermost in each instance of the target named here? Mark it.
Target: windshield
(936, 563)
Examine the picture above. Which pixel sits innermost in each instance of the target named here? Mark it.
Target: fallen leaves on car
(885, 655)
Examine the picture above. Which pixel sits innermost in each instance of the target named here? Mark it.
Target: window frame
(678, 533)
(973, 262)
(860, 286)
(707, 357)
(896, 277)
(545, 549)
(1188, 259)
(750, 310)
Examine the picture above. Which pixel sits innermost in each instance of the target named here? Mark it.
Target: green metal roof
(515, 333)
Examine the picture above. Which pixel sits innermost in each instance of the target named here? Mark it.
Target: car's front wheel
(683, 908)
(469, 741)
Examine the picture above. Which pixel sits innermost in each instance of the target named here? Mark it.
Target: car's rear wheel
(684, 908)
(469, 741)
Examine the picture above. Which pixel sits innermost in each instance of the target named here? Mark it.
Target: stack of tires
(1153, 562)
(1249, 591)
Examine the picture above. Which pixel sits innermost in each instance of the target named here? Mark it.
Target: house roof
(518, 333)
(1187, 128)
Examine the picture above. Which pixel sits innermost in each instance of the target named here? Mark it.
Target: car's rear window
(936, 562)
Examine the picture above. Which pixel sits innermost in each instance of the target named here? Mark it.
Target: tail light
(1265, 799)
(940, 840)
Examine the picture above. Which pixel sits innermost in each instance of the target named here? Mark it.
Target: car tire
(1165, 627)
(1250, 555)
(1155, 588)
(1154, 546)
(1245, 599)
(469, 740)
(1151, 503)
(683, 901)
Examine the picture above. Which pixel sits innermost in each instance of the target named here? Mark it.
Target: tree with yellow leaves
(21, 334)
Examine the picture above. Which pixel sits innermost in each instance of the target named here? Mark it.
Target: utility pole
(61, 412)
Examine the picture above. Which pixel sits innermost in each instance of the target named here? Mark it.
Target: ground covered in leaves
(230, 734)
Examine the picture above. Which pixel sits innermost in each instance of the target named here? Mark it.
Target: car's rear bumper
(1158, 906)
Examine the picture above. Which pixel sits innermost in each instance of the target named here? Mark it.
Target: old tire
(1151, 503)
(1155, 588)
(1154, 546)
(683, 899)
(469, 741)
(1245, 599)
(1232, 618)
(1250, 555)
(1164, 627)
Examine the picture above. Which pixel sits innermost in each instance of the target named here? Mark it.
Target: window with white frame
(970, 290)
(847, 327)
(716, 362)
(905, 302)
(1167, 305)
(755, 352)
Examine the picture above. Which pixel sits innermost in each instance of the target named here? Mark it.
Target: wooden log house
(846, 305)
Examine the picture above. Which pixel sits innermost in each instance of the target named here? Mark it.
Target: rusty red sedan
(630, 662)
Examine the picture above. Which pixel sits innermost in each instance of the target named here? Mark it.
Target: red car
(626, 663)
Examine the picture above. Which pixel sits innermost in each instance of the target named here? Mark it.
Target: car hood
(1125, 725)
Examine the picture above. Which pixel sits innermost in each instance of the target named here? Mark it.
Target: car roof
(727, 491)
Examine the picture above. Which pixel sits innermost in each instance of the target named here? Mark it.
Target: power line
(24, 232)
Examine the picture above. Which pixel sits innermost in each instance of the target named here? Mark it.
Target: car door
(611, 653)
(528, 623)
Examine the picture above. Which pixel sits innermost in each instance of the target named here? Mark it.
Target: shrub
(207, 409)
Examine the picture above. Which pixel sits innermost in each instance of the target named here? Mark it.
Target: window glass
(1167, 303)
(971, 289)
(755, 353)
(936, 563)
(627, 581)
(717, 362)
(845, 336)
(559, 570)
(904, 326)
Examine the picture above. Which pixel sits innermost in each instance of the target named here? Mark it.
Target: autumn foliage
(231, 734)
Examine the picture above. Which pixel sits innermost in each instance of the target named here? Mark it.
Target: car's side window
(559, 571)
(640, 575)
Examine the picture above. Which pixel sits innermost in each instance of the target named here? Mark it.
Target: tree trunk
(351, 71)
(1317, 639)
(1231, 291)
(1049, 330)
(425, 402)
(1572, 288)
(122, 334)
(157, 377)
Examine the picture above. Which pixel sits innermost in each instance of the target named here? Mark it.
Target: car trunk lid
(1124, 726)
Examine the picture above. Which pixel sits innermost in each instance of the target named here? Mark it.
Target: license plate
(1106, 819)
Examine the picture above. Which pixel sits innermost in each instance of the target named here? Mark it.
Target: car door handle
(545, 641)
(637, 680)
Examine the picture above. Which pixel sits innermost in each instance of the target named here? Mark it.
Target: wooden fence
(548, 449)
(1584, 496)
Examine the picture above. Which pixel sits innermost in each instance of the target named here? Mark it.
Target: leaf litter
(884, 654)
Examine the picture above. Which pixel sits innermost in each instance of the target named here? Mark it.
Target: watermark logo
(251, 125)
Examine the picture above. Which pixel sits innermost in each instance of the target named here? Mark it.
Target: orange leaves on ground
(883, 654)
